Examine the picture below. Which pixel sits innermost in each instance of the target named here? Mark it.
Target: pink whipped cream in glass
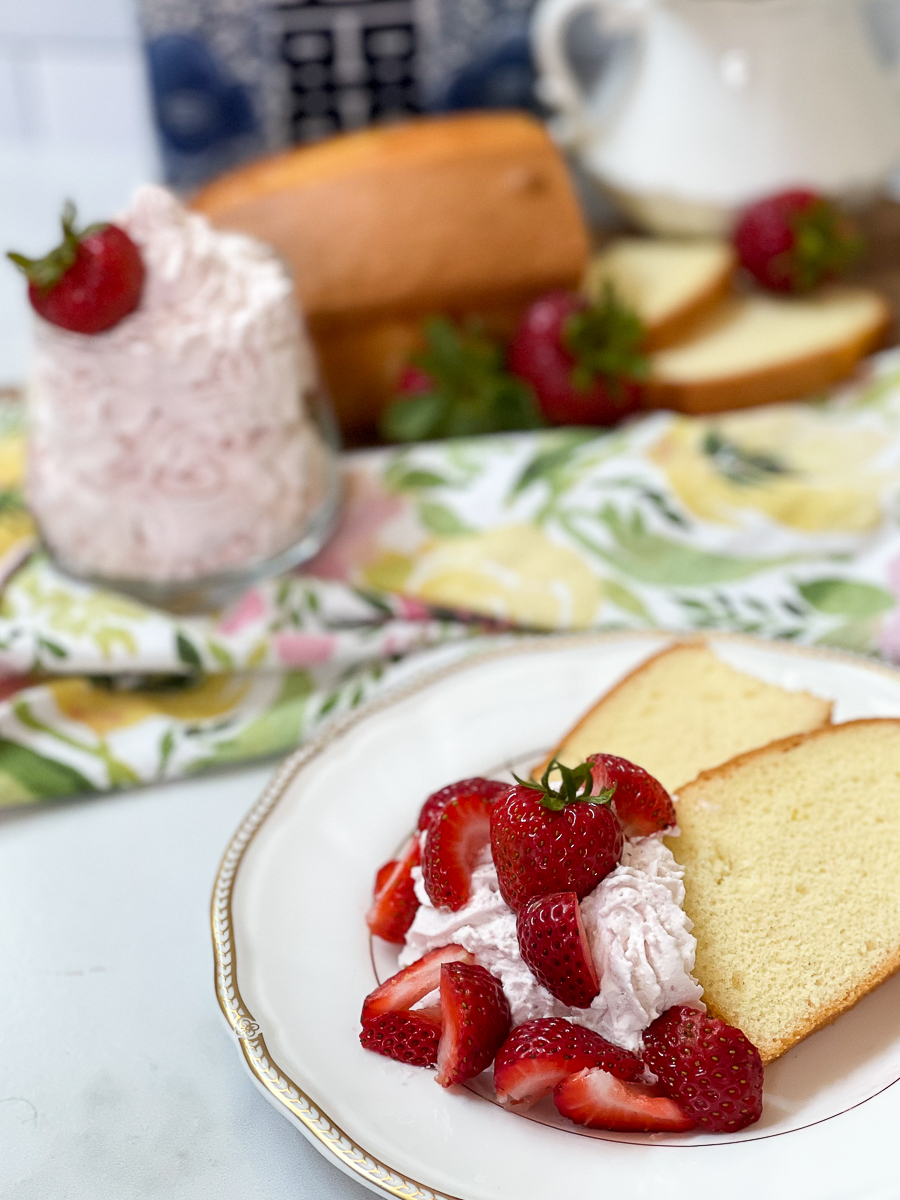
(180, 447)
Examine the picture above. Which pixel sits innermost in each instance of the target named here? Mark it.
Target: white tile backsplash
(12, 125)
(90, 95)
(104, 19)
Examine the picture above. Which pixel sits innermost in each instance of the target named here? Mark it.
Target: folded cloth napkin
(780, 521)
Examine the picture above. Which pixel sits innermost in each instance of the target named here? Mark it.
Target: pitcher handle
(557, 85)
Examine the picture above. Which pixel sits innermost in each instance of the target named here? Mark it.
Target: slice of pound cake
(792, 872)
(684, 711)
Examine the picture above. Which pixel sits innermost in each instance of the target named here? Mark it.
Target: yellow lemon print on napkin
(512, 573)
(106, 709)
(791, 463)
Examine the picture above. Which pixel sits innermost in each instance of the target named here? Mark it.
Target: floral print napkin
(781, 521)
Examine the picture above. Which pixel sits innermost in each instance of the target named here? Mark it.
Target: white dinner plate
(294, 959)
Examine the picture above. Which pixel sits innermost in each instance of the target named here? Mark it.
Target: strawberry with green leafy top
(795, 240)
(547, 839)
(585, 361)
(457, 386)
(89, 282)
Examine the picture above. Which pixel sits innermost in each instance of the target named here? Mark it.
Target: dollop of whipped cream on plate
(178, 444)
(639, 933)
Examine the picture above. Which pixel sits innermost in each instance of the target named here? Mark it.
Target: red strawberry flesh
(554, 947)
(539, 1054)
(596, 1099)
(476, 1020)
(456, 838)
(395, 902)
(711, 1068)
(408, 1037)
(413, 983)
(488, 789)
(640, 801)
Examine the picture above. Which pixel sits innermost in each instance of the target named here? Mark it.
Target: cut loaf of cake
(670, 283)
(684, 711)
(472, 214)
(757, 349)
(792, 871)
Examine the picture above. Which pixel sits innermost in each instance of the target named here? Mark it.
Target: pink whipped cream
(639, 933)
(178, 444)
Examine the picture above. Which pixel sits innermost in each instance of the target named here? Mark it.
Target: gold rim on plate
(277, 1083)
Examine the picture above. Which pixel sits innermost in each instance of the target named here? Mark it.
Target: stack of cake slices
(712, 347)
(789, 835)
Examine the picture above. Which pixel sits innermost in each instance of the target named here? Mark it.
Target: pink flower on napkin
(246, 611)
(304, 649)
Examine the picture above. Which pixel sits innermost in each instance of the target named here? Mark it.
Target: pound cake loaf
(473, 215)
(684, 711)
(792, 872)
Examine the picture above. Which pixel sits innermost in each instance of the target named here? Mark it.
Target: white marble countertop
(118, 1076)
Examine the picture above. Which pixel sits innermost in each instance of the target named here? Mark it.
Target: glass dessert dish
(189, 449)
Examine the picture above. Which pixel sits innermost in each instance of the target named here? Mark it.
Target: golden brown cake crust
(827, 1013)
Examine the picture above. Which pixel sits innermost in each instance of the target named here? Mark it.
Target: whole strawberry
(712, 1069)
(547, 840)
(640, 801)
(584, 361)
(795, 240)
(89, 282)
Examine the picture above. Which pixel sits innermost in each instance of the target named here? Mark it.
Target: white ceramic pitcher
(714, 103)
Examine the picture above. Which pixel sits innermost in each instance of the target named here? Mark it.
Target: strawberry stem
(826, 242)
(45, 273)
(605, 339)
(576, 784)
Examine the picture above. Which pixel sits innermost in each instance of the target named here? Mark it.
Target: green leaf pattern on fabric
(781, 522)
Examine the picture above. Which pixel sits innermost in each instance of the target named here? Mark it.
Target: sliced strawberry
(641, 803)
(554, 947)
(488, 789)
(457, 836)
(598, 1100)
(476, 1020)
(539, 1054)
(408, 1037)
(547, 839)
(413, 983)
(395, 903)
(712, 1069)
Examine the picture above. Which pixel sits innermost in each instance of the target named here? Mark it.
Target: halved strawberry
(456, 837)
(413, 983)
(395, 903)
(476, 1019)
(641, 803)
(539, 1054)
(598, 1100)
(488, 789)
(408, 1037)
(710, 1067)
(554, 947)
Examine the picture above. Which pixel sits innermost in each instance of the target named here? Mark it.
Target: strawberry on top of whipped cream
(178, 443)
(639, 934)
